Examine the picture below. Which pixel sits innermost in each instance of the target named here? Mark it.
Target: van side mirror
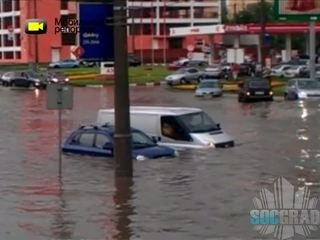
(156, 139)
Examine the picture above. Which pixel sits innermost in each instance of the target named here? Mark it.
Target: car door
(103, 145)
(83, 143)
(193, 74)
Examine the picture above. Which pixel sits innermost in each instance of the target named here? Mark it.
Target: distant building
(150, 21)
(17, 46)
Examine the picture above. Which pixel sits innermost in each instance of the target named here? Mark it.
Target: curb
(148, 84)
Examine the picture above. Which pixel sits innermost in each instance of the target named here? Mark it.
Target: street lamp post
(122, 149)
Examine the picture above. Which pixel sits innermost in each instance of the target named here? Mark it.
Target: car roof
(158, 110)
(110, 129)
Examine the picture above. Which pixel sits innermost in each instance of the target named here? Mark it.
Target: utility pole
(262, 33)
(312, 49)
(122, 148)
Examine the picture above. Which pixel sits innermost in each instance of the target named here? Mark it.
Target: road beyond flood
(202, 195)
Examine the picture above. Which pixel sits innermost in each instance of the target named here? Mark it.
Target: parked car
(23, 79)
(67, 63)
(302, 88)
(209, 87)
(294, 71)
(305, 72)
(184, 75)
(99, 141)
(133, 60)
(87, 63)
(216, 71)
(255, 88)
(278, 70)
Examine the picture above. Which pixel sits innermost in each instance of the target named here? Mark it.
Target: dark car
(133, 60)
(255, 89)
(245, 69)
(23, 79)
(99, 141)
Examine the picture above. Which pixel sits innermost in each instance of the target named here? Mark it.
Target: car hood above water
(153, 152)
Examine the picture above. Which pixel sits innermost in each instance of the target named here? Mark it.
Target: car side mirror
(156, 139)
(218, 125)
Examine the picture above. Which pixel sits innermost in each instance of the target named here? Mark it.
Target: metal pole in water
(312, 49)
(122, 148)
(60, 127)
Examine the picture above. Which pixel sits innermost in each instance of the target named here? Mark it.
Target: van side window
(172, 129)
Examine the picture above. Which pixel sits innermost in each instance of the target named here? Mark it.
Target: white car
(278, 70)
(294, 71)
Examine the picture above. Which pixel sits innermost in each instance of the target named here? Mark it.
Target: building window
(16, 4)
(7, 5)
(7, 42)
(206, 12)
(7, 22)
(68, 39)
(17, 21)
(8, 55)
(18, 55)
(175, 42)
(64, 4)
(18, 39)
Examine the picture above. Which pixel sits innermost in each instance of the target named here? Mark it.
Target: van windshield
(198, 122)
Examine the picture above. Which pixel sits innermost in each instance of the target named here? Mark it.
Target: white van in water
(174, 126)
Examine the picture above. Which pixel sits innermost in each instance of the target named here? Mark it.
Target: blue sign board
(96, 35)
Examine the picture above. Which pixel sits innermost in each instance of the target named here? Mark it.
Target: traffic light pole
(122, 149)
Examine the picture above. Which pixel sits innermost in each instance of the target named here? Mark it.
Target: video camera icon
(36, 26)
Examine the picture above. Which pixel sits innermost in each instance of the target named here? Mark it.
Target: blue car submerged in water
(99, 141)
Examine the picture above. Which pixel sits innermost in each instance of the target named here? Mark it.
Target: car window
(171, 128)
(86, 139)
(258, 84)
(193, 70)
(101, 140)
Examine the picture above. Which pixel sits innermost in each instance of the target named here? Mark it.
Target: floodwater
(200, 195)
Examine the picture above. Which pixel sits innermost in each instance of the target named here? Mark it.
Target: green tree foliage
(254, 12)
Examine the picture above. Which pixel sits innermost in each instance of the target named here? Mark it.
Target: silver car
(209, 87)
(184, 75)
(302, 89)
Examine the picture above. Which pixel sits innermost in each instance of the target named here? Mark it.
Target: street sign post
(59, 97)
(78, 51)
(96, 35)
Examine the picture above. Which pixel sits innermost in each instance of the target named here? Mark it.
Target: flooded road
(200, 195)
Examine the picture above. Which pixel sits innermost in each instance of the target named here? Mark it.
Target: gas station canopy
(275, 28)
